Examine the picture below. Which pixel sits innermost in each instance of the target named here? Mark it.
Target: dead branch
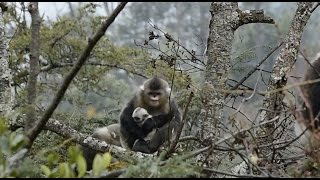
(83, 139)
(253, 16)
(255, 69)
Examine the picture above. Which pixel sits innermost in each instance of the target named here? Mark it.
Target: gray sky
(50, 10)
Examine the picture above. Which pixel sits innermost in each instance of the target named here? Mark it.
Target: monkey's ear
(142, 87)
(168, 90)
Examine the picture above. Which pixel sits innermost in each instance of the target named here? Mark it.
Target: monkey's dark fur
(311, 93)
(308, 117)
(166, 117)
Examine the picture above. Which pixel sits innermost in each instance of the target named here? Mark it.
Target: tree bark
(6, 99)
(34, 65)
(284, 63)
(68, 132)
(226, 18)
(219, 45)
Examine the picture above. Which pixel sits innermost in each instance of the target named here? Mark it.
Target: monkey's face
(140, 115)
(155, 98)
(155, 92)
(139, 118)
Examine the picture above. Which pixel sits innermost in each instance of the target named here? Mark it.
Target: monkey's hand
(148, 125)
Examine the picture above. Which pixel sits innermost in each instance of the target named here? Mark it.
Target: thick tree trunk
(218, 50)
(226, 18)
(6, 101)
(284, 63)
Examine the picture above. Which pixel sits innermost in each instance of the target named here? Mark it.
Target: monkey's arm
(163, 134)
(157, 121)
(150, 146)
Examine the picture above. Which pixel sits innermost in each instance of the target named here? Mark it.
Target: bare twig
(199, 151)
(169, 38)
(248, 98)
(230, 174)
(253, 70)
(315, 7)
(61, 65)
(179, 130)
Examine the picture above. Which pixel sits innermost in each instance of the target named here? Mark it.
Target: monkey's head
(140, 115)
(155, 92)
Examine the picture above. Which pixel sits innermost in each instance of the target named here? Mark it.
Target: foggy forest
(244, 75)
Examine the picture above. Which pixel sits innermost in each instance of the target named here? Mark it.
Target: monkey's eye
(136, 118)
(154, 93)
(145, 116)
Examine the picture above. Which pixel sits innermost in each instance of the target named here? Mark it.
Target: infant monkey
(141, 116)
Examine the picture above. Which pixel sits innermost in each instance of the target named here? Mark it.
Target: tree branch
(83, 139)
(34, 65)
(284, 63)
(253, 16)
(254, 70)
(62, 65)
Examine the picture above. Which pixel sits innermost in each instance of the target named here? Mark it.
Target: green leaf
(106, 159)
(3, 127)
(73, 152)
(53, 158)
(97, 166)
(45, 170)
(65, 170)
(81, 165)
(100, 163)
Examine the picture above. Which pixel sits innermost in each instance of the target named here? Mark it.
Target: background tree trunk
(226, 18)
(218, 50)
(34, 65)
(6, 100)
(221, 34)
(284, 63)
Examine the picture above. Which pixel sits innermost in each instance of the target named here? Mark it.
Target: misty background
(189, 23)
